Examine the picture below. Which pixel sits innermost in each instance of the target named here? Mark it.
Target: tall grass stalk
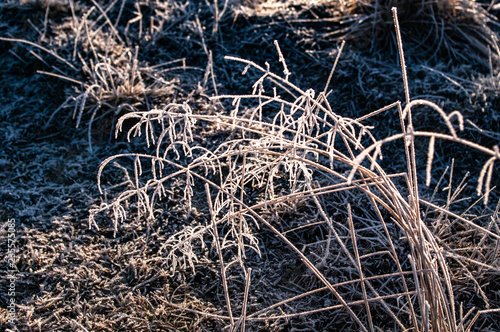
(290, 147)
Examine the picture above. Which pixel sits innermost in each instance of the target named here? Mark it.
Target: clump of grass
(289, 164)
(116, 86)
(462, 30)
(93, 53)
(457, 29)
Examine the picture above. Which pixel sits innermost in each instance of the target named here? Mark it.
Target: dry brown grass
(300, 142)
(452, 29)
(248, 202)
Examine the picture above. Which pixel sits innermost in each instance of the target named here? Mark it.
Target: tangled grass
(267, 209)
(108, 78)
(375, 260)
(451, 29)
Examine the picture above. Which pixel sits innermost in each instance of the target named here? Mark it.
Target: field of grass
(240, 165)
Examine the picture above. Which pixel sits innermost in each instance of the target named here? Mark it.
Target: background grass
(71, 69)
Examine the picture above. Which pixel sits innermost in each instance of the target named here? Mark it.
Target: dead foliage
(244, 186)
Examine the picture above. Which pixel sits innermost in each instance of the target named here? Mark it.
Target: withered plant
(289, 162)
(462, 30)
